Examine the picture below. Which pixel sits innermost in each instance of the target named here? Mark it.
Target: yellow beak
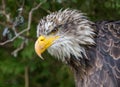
(43, 43)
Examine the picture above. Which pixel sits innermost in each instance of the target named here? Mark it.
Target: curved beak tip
(38, 50)
(41, 57)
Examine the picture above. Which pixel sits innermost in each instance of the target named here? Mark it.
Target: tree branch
(28, 26)
(15, 52)
(26, 76)
(7, 15)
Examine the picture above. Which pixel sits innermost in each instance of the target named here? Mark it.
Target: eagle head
(64, 33)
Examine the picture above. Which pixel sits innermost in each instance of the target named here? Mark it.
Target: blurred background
(19, 64)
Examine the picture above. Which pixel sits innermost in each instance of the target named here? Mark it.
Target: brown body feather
(101, 68)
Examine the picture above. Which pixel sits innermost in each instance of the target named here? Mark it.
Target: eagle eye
(54, 31)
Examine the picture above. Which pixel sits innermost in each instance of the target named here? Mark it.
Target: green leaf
(28, 51)
(17, 42)
(46, 5)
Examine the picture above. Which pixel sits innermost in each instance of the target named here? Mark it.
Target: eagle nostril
(42, 38)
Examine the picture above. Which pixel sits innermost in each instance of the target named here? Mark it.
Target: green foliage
(28, 50)
(50, 72)
(17, 43)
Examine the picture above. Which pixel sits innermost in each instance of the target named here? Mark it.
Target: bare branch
(6, 25)
(15, 52)
(22, 4)
(7, 15)
(48, 11)
(26, 76)
(28, 27)
(3, 5)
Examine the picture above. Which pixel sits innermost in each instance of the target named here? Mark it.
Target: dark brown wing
(101, 68)
(108, 53)
(109, 38)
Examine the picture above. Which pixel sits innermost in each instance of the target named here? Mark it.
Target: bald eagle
(91, 49)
